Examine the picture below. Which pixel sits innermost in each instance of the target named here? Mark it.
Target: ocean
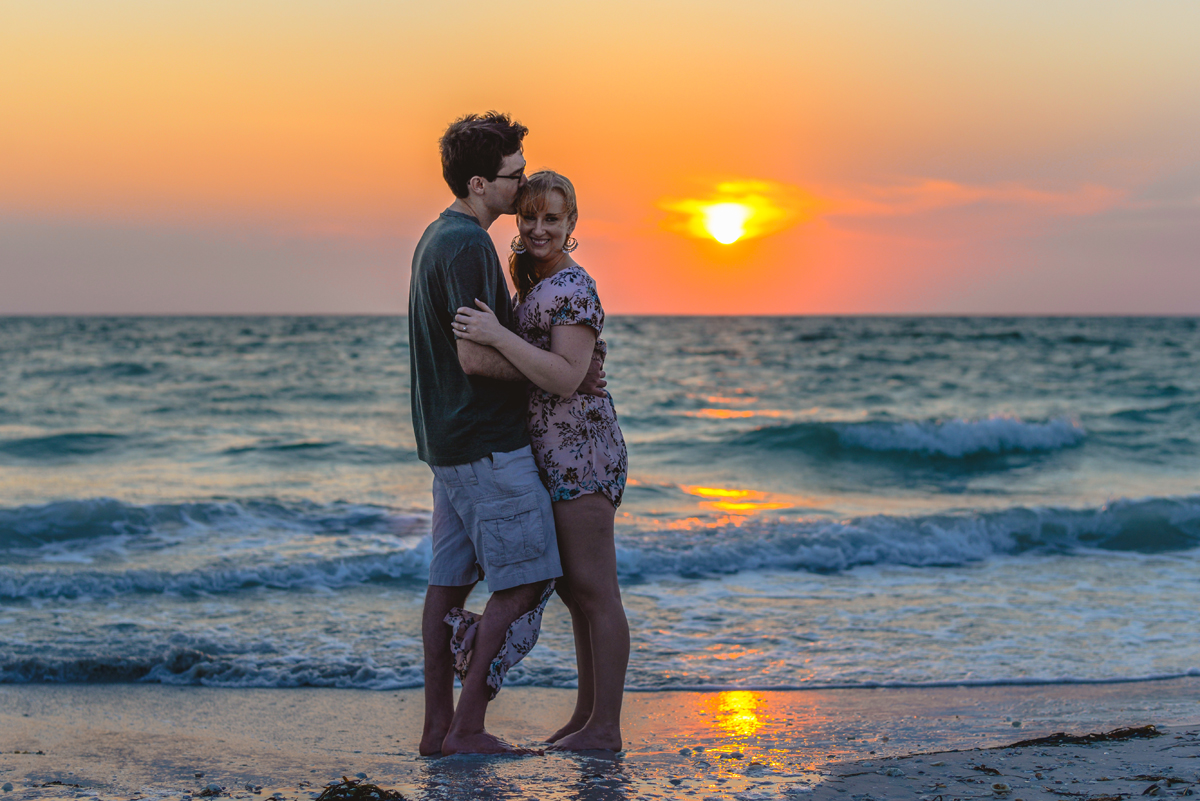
(813, 502)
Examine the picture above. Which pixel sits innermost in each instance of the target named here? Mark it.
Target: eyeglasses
(516, 176)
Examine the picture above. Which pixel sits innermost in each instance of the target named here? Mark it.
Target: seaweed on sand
(1116, 735)
(358, 790)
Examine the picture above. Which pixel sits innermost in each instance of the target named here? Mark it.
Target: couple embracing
(510, 413)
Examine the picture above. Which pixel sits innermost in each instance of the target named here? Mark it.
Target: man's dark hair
(475, 145)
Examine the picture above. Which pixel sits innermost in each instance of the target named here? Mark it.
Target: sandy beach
(157, 742)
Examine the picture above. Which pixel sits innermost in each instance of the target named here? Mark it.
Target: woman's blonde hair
(533, 198)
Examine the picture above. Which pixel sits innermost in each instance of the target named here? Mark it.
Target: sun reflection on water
(725, 494)
(736, 501)
(735, 414)
(746, 508)
(737, 713)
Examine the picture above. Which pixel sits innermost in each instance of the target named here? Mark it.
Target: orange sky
(1024, 157)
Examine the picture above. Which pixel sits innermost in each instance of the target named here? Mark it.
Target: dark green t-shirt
(458, 418)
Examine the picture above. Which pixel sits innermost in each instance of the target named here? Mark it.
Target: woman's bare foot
(573, 725)
(590, 739)
(481, 743)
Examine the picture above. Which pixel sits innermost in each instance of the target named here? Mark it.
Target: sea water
(813, 502)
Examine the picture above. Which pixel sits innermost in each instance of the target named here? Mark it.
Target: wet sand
(154, 742)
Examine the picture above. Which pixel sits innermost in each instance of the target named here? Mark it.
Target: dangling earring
(570, 245)
(517, 246)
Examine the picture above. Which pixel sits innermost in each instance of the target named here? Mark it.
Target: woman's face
(545, 232)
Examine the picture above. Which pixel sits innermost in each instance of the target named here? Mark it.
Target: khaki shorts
(492, 519)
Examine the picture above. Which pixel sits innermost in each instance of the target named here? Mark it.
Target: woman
(576, 441)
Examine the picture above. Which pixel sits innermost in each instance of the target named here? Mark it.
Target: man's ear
(476, 184)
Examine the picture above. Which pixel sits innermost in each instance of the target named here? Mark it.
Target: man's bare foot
(481, 743)
(573, 725)
(588, 739)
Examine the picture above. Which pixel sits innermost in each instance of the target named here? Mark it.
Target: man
(491, 515)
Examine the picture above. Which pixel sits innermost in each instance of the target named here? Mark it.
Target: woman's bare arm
(559, 370)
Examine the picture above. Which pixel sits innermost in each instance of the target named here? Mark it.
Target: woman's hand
(478, 325)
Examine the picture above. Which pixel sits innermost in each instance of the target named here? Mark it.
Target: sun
(739, 210)
(726, 222)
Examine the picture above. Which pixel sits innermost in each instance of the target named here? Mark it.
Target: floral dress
(519, 640)
(577, 443)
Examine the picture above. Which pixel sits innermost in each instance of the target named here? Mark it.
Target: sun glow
(740, 210)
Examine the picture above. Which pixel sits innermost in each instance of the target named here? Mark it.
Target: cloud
(746, 208)
(932, 194)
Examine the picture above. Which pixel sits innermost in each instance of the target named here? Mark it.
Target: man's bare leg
(467, 734)
(439, 663)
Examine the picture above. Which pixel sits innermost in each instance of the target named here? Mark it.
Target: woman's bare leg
(589, 560)
(586, 695)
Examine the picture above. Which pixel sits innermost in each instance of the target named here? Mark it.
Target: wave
(959, 438)
(97, 518)
(1152, 525)
(325, 452)
(59, 446)
(309, 574)
(1147, 526)
(242, 668)
(189, 666)
(916, 685)
(115, 370)
(945, 439)
(1157, 415)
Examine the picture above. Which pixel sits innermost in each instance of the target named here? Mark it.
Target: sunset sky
(913, 157)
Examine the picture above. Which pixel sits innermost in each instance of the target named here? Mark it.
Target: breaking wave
(368, 543)
(945, 439)
(960, 438)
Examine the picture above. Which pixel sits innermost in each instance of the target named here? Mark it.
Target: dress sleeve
(578, 305)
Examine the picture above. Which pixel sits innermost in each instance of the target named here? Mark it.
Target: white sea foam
(300, 670)
(959, 438)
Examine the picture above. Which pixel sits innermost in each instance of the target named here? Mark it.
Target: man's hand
(593, 383)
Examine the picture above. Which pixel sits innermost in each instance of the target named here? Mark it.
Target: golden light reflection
(736, 501)
(718, 492)
(725, 400)
(745, 508)
(739, 210)
(731, 414)
(721, 414)
(737, 713)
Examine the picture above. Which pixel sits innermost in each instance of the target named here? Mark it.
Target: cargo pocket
(512, 528)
